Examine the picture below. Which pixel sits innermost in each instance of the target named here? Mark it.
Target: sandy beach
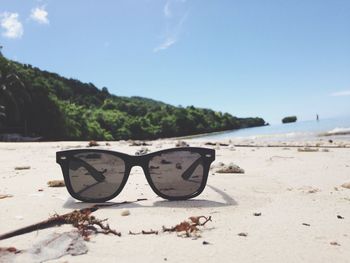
(288, 206)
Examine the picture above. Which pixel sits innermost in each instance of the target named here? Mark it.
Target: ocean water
(300, 130)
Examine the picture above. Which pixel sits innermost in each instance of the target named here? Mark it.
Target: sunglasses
(100, 175)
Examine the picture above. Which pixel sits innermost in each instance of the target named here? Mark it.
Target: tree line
(35, 102)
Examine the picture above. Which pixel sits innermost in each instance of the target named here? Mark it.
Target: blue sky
(249, 57)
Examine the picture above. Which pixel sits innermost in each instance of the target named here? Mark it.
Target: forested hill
(34, 102)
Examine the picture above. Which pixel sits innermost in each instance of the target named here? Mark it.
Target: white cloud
(341, 93)
(11, 24)
(174, 27)
(167, 43)
(40, 15)
(166, 9)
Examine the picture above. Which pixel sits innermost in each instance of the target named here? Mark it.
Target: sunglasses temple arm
(98, 176)
(189, 171)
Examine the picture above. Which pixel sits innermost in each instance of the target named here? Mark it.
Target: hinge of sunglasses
(208, 155)
(63, 157)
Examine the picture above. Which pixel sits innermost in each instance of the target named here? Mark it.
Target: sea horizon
(298, 131)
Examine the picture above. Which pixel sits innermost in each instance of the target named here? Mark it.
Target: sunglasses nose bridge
(138, 161)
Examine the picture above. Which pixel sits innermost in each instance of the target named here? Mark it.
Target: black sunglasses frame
(63, 158)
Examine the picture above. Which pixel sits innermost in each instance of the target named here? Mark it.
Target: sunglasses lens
(95, 175)
(177, 173)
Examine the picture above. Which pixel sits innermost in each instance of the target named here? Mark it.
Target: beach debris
(93, 143)
(206, 243)
(216, 144)
(8, 253)
(5, 196)
(340, 217)
(108, 144)
(230, 168)
(139, 143)
(125, 213)
(22, 168)
(81, 217)
(142, 151)
(243, 234)
(334, 243)
(56, 183)
(346, 185)
(330, 141)
(257, 214)
(309, 189)
(9, 249)
(40, 190)
(85, 223)
(325, 150)
(143, 232)
(181, 144)
(217, 165)
(150, 232)
(306, 224)
(54, 246)
(189, 228)
(307, 149)
(314, 190)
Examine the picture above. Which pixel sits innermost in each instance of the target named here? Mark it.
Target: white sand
(288, 187)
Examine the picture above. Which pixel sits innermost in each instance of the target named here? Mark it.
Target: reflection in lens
(178, 173)
(95, 175)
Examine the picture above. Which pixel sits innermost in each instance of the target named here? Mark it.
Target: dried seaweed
(85, 223)
(81, 219)
(189, 227)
